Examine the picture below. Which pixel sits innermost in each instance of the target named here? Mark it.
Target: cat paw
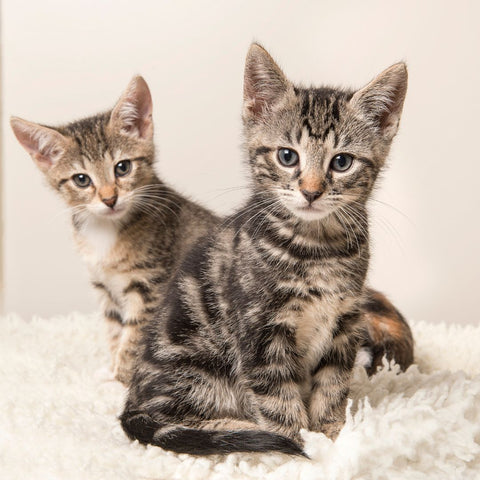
(331, 430)
(297, 438)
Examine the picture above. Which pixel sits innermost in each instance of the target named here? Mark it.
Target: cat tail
(386, 333)
(204, 439)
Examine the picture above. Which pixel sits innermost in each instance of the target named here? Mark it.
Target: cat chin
(109, 214)
(309, 214)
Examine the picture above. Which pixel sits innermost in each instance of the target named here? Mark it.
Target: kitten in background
(131, 228)
(258, 334)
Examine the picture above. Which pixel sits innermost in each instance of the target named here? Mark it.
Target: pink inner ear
(382, 99)
(43, 159)
(255, 98)
(134, 110)
(264, 82)
(26, 139)
(42, 143)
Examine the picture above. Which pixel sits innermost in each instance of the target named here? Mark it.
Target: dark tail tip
(208, 442)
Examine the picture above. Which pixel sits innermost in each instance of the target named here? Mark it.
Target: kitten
(130, 227)
(258, 334)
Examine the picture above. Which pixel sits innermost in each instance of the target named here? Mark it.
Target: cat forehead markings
(319, 110)
(107, 156)
(315, 154)
(89, 136)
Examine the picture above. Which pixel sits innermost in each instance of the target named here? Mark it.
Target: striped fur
(132, 257)
(133, 248)
(259, 330)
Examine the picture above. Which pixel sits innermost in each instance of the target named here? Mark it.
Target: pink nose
(111, 201)
(311, 196)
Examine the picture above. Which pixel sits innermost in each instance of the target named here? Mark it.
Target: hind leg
(172, 386)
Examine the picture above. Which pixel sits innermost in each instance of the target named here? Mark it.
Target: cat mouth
(114, 212)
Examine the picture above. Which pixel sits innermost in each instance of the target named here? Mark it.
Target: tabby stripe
(210, 301)
(101, 286)
(210, 364)
(343, 358)
(299, 134)
(262, 151)
(266, 334)
(303, 253)
(136, 321)
(335, 110)
(344, 322)
(145, 265)
(335, 399)
(279, 418)
(267, 379)
(114, 315)
(367, 162)
(140, 287)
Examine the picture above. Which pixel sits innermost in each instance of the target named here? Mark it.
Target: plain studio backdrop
(65, 60)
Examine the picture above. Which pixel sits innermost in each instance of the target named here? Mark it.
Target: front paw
(331, 429)
(297, 438)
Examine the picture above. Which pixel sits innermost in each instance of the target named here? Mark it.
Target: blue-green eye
(82, 180)
(341, 162)
(123, 168)
(287, 157)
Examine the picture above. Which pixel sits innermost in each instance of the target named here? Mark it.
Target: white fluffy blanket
(58, 415)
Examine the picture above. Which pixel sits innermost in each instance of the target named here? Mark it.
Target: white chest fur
(96, 239)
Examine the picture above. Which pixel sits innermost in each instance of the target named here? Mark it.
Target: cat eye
(287, 157)
(123, 168)
(341, 162)
(82, 180)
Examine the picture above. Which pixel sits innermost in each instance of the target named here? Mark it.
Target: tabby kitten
(130, 227)
(259, 330)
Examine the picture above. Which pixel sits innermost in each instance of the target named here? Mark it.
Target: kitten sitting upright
(129, 226)
(258, 334)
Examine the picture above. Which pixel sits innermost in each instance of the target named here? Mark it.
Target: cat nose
(111, 201)
(311, 196)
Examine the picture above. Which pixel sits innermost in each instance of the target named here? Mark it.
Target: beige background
(64, 60)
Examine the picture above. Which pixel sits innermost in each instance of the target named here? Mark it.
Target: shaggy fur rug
(58, 415)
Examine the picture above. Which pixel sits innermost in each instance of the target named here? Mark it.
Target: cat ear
(132, 115)
(381, 101)
(264, 83)
(45, 145)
